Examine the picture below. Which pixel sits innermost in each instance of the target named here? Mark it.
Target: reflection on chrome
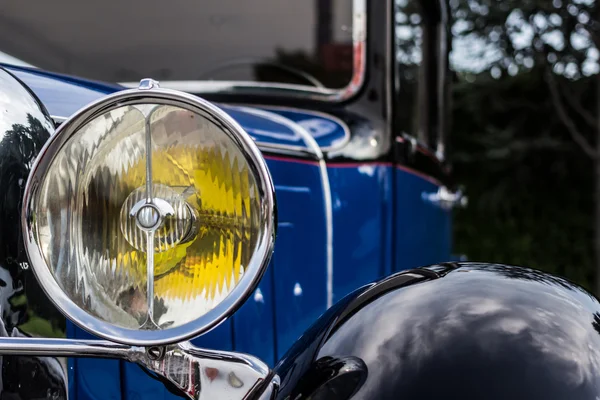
(200, 374)
(446, 199)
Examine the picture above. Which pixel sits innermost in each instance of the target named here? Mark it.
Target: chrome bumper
(198, 373)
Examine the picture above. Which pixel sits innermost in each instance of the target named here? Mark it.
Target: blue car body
(340, 226)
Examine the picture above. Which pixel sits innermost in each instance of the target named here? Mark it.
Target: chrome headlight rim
(253, 271)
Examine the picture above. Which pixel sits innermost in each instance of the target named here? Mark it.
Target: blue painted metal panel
(138, 385)
(361, 198)
(258, 311)
(264, 129)
(63, 95)
(74, 80)
(299, 259)
(373, 204)
(93, 378)
(423, 230)
(60, 97)
(327, 131)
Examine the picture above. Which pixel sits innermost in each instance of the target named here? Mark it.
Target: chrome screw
(155, 353)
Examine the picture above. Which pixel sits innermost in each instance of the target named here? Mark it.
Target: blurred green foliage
(530, 186)
(526, 167)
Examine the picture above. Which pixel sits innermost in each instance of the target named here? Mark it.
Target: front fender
(456, 331)
(25, 311)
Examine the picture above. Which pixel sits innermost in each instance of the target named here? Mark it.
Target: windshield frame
(305, 92)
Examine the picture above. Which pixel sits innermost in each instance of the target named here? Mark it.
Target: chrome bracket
(446, 199)
(198, 373)
(148, 84)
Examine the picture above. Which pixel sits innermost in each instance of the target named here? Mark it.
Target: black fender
(24, 309)
(451, 331)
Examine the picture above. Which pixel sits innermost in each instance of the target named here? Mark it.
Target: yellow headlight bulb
(196, 211)
(149, 215)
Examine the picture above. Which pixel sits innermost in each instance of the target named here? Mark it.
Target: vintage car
(215, 235)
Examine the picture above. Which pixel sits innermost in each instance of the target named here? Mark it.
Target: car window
(290, 41)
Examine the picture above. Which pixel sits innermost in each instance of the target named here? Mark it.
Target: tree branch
(576, 105)
(577, 136)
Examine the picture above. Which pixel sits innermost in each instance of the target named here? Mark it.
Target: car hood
(274, 128)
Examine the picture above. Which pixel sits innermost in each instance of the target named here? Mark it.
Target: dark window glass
(289, 41)
(422, 71)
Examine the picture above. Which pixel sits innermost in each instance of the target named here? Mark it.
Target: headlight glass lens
(144, 187)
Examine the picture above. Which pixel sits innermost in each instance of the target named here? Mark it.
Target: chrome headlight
(149, 217)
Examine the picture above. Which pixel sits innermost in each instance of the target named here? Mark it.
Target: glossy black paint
(25, 311)
(455, 331)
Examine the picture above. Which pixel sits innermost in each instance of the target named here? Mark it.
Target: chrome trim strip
(271, 390)
(213, 86)
(287, 150)
(58, 119)
(254, 270)
(42, 347)
(327, 201)
(199, 373)
(359, 44)
(446, 199)
(148, 84)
